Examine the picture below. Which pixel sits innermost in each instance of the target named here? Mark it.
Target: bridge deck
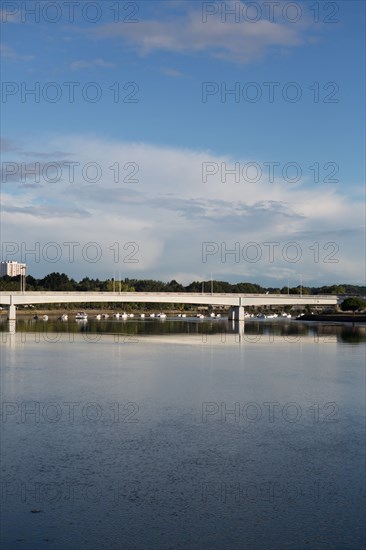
(219, 299)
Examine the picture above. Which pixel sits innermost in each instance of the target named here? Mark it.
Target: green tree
(57, 281)
(354, 303)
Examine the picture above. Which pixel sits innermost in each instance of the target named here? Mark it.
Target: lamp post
(23, 278)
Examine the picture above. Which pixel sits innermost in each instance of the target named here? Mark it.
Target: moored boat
(81, 316)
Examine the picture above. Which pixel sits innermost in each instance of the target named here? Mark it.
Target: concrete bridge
(236, 302)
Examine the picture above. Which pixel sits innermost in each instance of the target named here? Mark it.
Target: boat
(184, 315)
(124, 315)
(200, 316)
(116, 315)
(152, 314)
(81, 316)
(142, 316)
(44, 317)
(63, 317)
(161, 315)
(131, 315)
(218, 315)
(212, 314)
(98, 317)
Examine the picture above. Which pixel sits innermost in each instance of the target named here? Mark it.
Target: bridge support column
(236, 313)
(239, 313)
(12, 313)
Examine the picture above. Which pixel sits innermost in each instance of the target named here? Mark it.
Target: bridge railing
(149, 293)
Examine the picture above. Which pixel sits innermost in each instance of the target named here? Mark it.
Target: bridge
(235, 302)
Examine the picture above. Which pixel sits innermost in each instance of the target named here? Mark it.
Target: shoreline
(339, 318)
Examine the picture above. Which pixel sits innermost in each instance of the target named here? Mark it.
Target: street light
(22, 278)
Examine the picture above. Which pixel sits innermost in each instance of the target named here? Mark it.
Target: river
(182, 435)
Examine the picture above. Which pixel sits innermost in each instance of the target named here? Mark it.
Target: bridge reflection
(195, 331)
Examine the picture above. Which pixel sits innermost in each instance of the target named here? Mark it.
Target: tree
(353, 303)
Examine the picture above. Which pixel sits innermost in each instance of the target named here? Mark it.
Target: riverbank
(338, 318)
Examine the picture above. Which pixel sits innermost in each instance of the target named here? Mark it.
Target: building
(12, 269)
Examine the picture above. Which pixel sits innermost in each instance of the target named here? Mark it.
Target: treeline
(61, 282)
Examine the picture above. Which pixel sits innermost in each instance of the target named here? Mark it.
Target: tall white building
(12, 269)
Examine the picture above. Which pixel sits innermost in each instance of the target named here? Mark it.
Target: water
(163, 435)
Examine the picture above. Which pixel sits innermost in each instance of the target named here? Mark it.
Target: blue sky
(149, 98)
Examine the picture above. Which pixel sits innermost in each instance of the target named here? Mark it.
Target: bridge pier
(12, 313)
(236, 313)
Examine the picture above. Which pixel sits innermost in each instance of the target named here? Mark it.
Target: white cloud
(10, 54)
(242, 42)
(170, 212)
(172, 72)
(90, 64)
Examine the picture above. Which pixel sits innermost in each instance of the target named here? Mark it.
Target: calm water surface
(183, 436)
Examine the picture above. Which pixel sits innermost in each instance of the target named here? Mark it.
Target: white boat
(44, 317)
(184, 315)
(98, 317)
(131, 315)
(218, 315)
(81, 316)
(116, 315)
(161, 315)
(200, 316)
(212, 314)
(105, 315)
(124, 315)
(64, 317)
(152, 314)
(142, 316)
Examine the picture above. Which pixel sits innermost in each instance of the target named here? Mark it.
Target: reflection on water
(184, 439)
(270, 330)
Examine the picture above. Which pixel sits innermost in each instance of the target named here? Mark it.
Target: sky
(185, 140)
